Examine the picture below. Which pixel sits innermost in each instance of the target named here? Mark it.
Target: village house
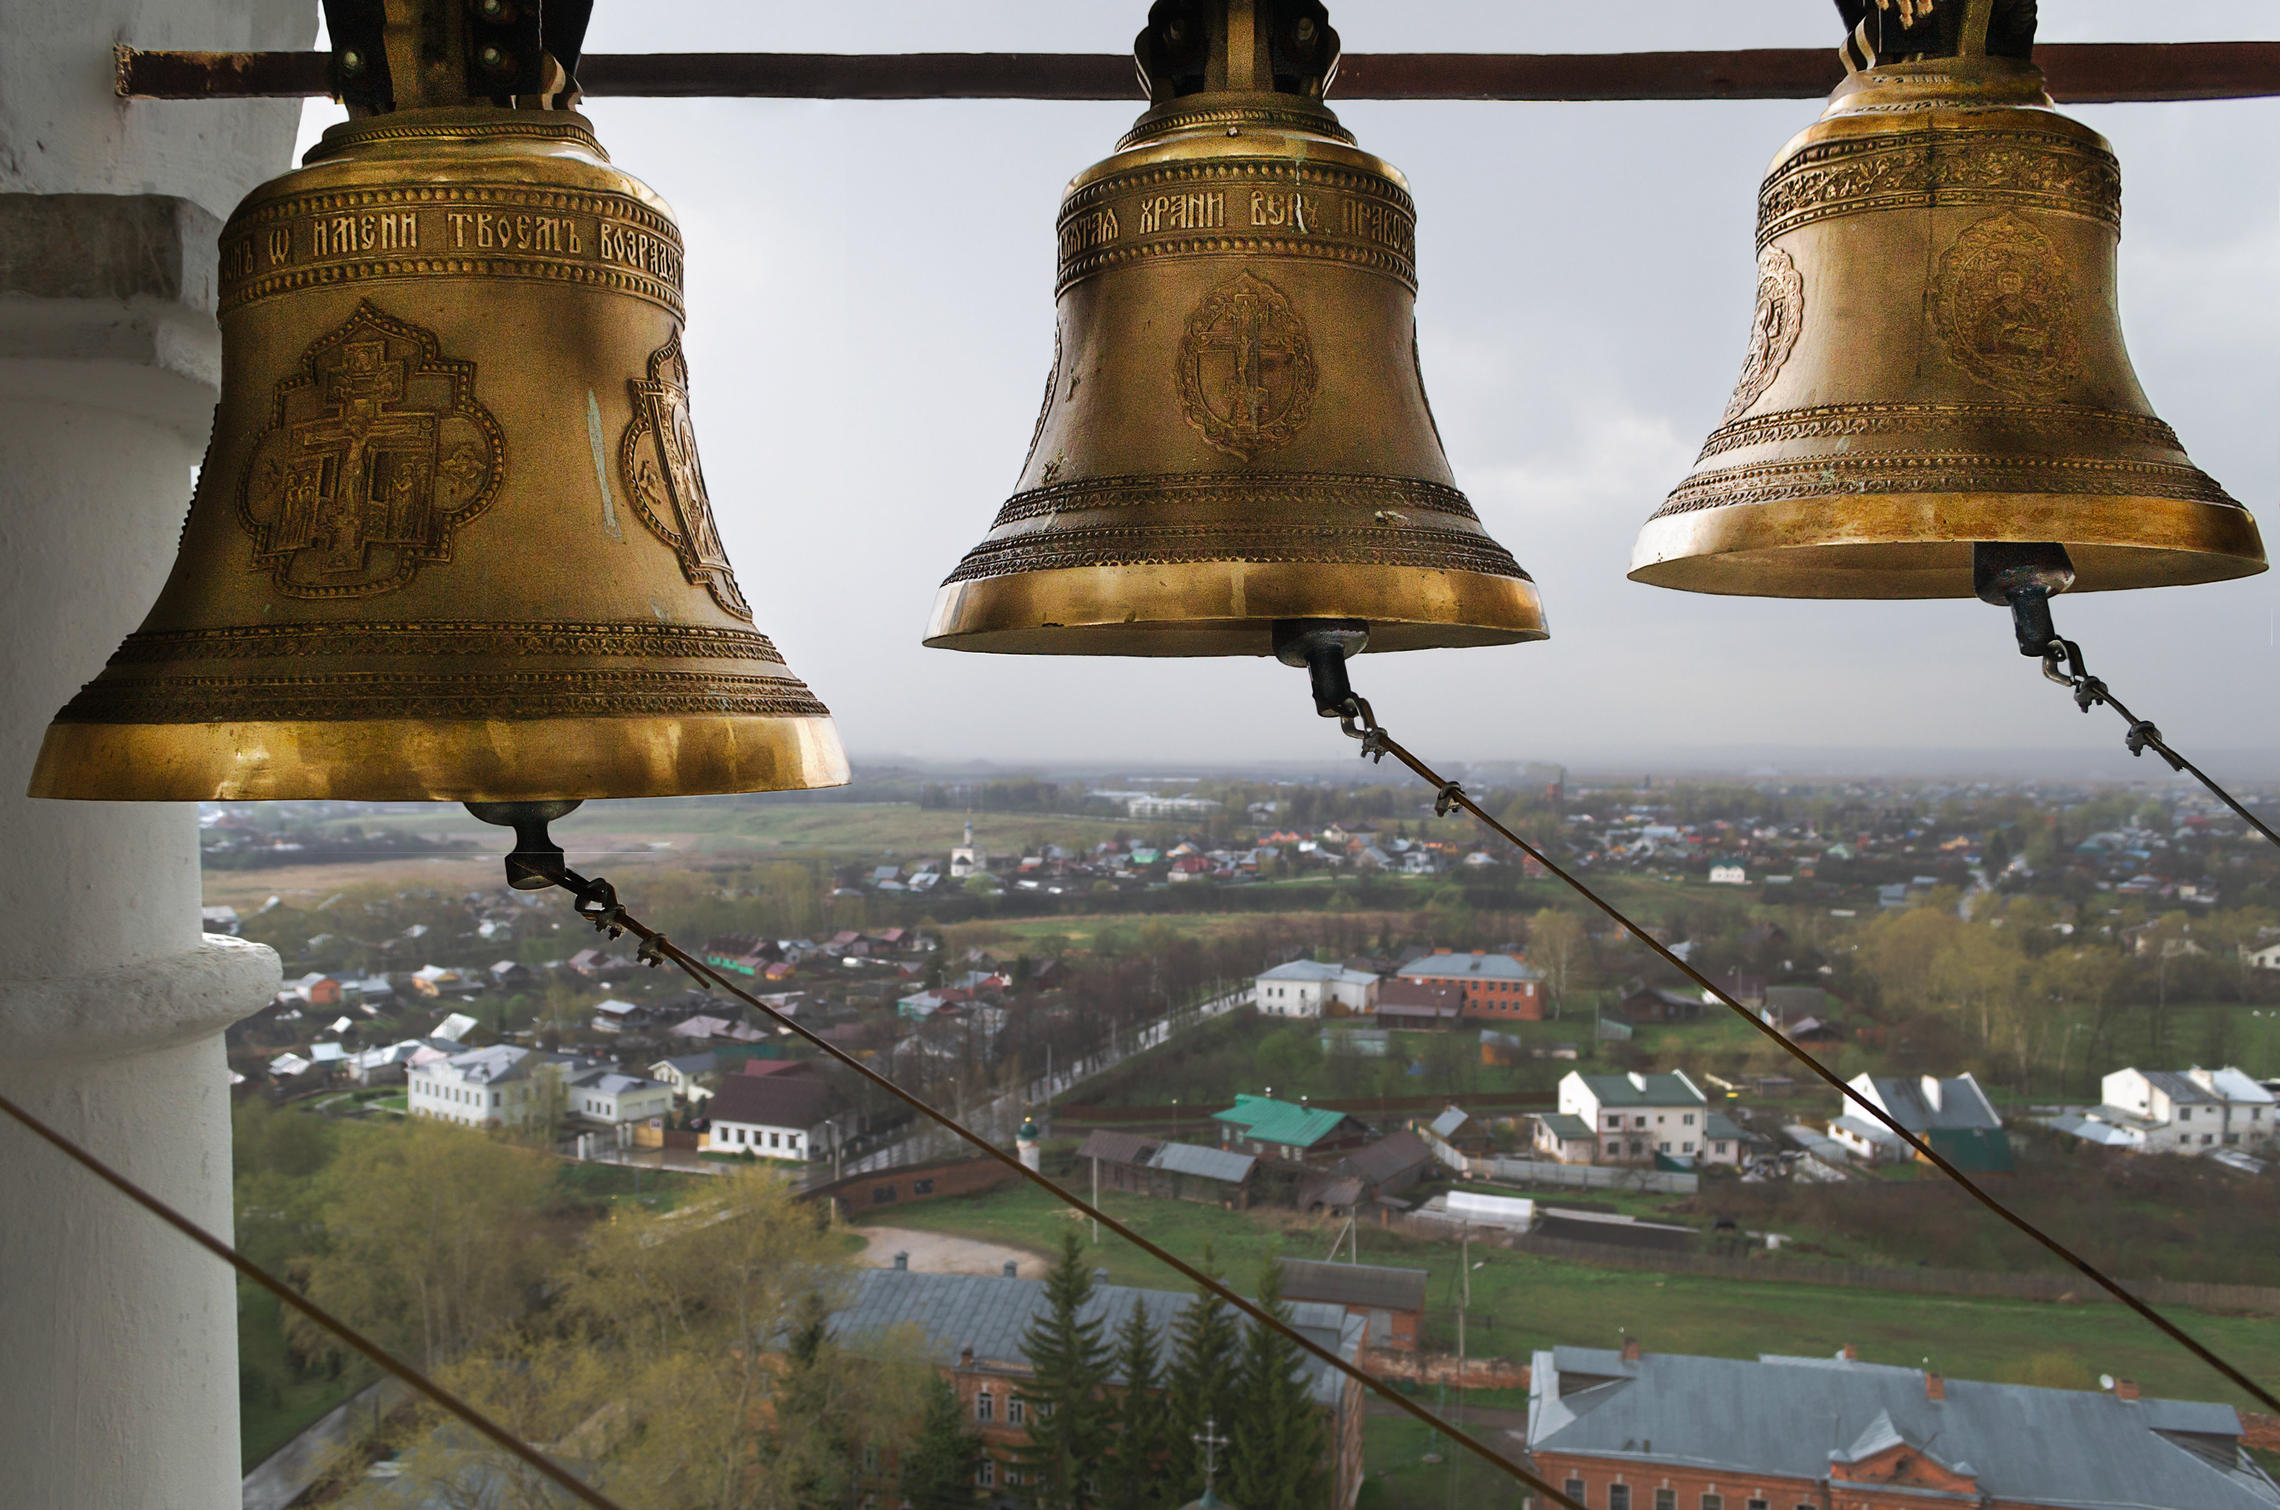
(1143, 1165)
(490, 1087)
(1637, 1116)
(1390, 1302)
(1406, 1002)
(1953, 1115)
(1272, 1129)
(1496, 986)
(690, 1076)
(970, 1328)
(777, 1109)
(1645, 1003)
(2193, 1111)
(609, 1097)
(1631, 1430)
(1307, 988)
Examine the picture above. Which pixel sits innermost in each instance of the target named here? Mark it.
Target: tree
(938, 1467)
(1201, 1382)
(1142, 1416)
(429, 1239)
(1274, 1439)
(1070, 1423)
(1556, 937)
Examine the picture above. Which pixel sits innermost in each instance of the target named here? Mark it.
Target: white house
(785, 1111)
(968, 858)
(1306, 988)
(1729, 875)
(2266, 958)
(1926, 1106)
(490, 1087)
(2189, 1111)
(611, 1097)
(690, 1075)
(1636, 1116)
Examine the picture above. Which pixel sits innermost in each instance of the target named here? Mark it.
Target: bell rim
(1228, 608)
(438, 760)
(1820, 547)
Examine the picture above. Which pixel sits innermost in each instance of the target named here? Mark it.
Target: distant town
(1388, 1070)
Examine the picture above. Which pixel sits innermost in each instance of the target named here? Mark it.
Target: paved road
(285, 1474)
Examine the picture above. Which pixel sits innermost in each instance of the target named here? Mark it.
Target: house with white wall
(786, 1111)
(1633, 1117)
(1950, 1113)
(2189, 1111)
(489, 1087)
(608, 1096)
(1309, 988)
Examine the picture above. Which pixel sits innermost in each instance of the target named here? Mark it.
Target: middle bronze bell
(1235, 430)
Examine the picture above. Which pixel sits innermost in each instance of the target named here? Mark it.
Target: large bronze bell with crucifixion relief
(451, 539)
(1235, 429)
(1936, 360)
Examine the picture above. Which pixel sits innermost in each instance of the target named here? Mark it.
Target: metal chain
(2063, 664)
(596, 901)
(1359, 723)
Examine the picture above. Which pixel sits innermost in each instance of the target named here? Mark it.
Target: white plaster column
(118, 1355)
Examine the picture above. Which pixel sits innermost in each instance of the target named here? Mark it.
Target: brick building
(1497, 987)
(1654, 1431)
(970, 1326)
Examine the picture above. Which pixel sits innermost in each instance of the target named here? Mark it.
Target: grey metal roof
(1470, 967)
(1394, 1154)
(1796, 1417)
(1449, 1121)
(1206, 1163)
(988, 1313)
(2180, 1086)
(1354, 1284)
(1962, 1104)
(1315, 970)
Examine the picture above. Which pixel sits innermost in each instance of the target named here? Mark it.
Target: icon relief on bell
(2004, 311)
(657, 460)
(376, 454)
(1773, 329)
(1246, 368)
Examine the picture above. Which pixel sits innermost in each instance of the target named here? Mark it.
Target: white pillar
(118, 1354)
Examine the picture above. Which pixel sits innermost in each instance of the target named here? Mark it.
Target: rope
(596, 901)
(309, 1308)
(1377, 743)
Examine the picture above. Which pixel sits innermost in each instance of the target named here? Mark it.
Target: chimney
(1935, 1386)
(902, 1260)
(1849, 1353)
(966, 1356)
(1630, 1348)
(1012, 1269)
(2125, 1389)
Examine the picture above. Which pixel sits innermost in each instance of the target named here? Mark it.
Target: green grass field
(1521, 1302)
(1410, 1466)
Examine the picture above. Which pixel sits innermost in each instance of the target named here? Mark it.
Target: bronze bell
(451, 539)
(1235, 429)
(1936, 359)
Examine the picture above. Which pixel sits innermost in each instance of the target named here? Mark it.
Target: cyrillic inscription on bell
(1235, 429)
(1936, 357)
(451, 540)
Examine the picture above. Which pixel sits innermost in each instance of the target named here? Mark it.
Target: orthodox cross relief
(1246, 368)
(658, 461)
(375, 456)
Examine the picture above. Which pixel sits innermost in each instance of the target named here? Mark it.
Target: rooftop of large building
(1470, 967)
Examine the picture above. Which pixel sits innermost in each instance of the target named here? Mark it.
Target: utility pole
(1096, 1199)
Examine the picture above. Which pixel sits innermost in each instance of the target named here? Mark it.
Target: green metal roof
(1272, 1121)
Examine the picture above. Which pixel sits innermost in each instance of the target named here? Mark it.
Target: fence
(1582, 1176)
(2033, 1285)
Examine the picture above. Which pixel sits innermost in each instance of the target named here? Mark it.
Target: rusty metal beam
(2080, 73)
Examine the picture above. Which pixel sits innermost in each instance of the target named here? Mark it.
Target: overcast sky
(870, 321)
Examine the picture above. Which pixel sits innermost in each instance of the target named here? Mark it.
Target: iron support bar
(2080, 73)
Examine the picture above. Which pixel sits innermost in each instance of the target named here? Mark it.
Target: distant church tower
(1025, 1143)
(968, 857)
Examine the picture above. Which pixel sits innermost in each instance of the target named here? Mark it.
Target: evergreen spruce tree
(1143, 1418)
(1201, 1382)
(1275, 1444)
(1070, 1420)
(938, 1467)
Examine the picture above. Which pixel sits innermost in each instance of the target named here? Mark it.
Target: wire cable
(2063, 664)
(1377, 743)
(288, 1295)
(596, 901)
